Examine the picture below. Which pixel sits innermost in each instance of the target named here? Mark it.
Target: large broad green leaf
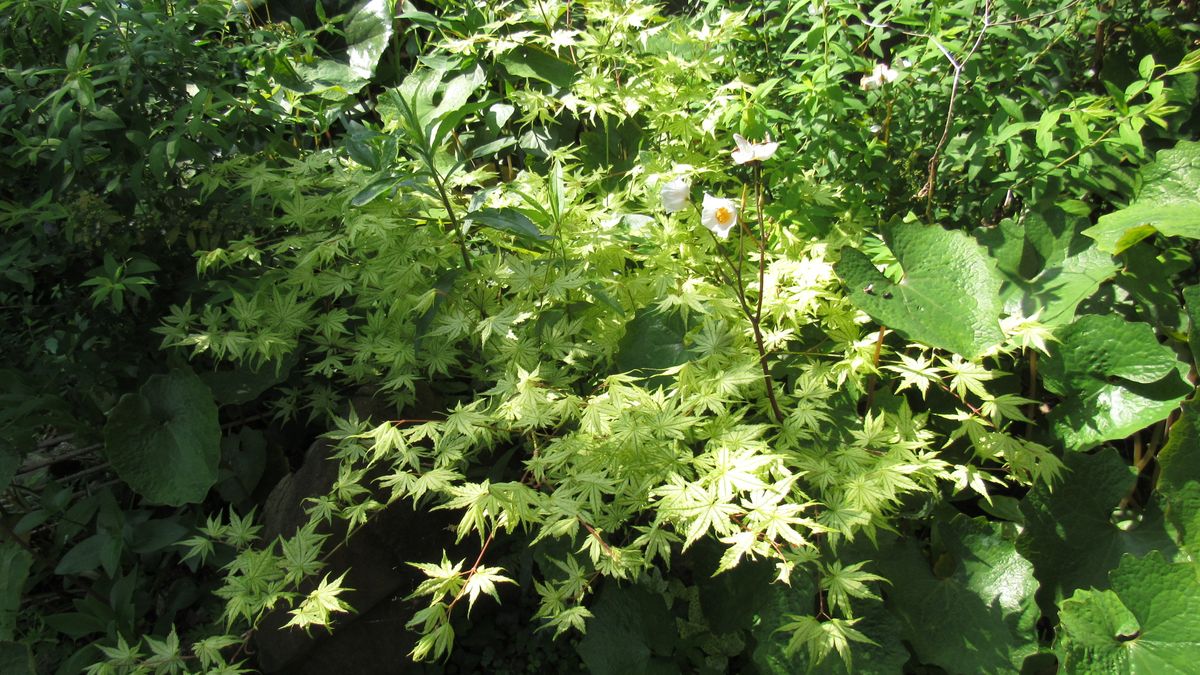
(14, 569)
(1148, 624)
(1070, 534)
(1179, 477)
(949, 296)
(631, 632)
(16, 659)
(538, 64)
(1149, 277)
(367, 30)
(652, 341)
(1191, 300)
(237, 386)
(971, 609)
(164, 441)
(1168, 202)
(1048, 269)
(1114, 378)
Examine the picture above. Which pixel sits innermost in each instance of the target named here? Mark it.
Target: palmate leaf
(1148, 624)
(949, 296)
(1168, 202)
(1114, 377)
(971, 609)
(776, 605)
(1070, 536)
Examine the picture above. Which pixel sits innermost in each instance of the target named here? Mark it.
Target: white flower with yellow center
(719, 215)
(752, 152)
(675, 194)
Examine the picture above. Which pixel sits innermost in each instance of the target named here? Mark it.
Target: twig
(471, 572)
(756, 321)
(931, 180)
(592, 531)
(54, 440)
(50, 461)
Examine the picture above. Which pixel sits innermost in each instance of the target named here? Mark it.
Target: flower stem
(756, 318)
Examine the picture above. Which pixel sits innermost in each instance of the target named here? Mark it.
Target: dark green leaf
(1048, 269)
(1114, 378)
(1148, 624)
(1191, 300)
(1168, 202)
(367, 30)
(1070, 535)
(509, 220)
(242, 385)
(15, 562)
(629, 629)
(652, 341)
(971, 609)
(538, 64)
(84, 556)
(374, 189)
(164, 441)
(16, 659)
(1179, 477)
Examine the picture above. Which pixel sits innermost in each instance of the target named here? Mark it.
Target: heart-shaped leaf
(972, 609)
(1168, 202)
(1114, 378)
(949, 296)
(1149, 622)
(1048, 268)
(164, 441)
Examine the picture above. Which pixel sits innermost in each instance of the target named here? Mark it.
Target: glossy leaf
(1114, 379)
(971, 609)
(1167, 203)
(508, 220)
(948, 297)
(1148, 624)
(1191, 302)
(1070, 535)
(1048, 268)
(1179, 477)
(368, 30)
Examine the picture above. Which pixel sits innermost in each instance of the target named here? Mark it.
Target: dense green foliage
(764, 337)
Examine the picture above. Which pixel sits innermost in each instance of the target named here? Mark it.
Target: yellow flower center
(724, 216)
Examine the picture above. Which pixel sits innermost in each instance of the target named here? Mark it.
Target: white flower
(719, 215)
(675, 195)
(882, 74)
(752, 152)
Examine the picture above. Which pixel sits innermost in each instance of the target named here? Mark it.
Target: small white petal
(675, 195)
(752, 152)
(719, 215)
